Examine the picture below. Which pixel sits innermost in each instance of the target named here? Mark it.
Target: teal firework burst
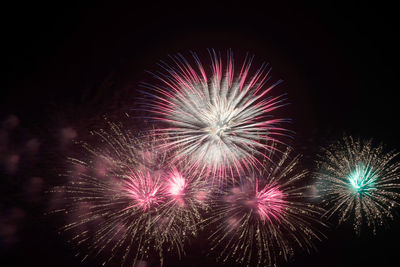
(362, 179)
(359, 182)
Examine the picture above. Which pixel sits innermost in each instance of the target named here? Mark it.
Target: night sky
(65, 66)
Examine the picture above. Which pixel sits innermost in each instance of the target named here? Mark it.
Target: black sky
(67, 64)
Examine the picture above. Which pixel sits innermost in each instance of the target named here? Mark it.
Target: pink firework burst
(144, 188)
(186, 193)
(219, 120)
(270, 202)
(176, 183)
(265, 216)
(125, 201)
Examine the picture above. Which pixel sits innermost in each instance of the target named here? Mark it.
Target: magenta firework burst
(218, 118)
(265, 216)
(359, 182)
(125, 201)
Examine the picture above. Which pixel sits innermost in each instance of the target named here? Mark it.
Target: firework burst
(125, 201)
(359, 182)
(265, 216)
(220, 120)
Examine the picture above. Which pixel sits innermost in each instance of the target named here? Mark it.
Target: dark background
(65, 65)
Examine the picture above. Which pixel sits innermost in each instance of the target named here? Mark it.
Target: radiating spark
(263, 218)
(221, 120)
(359, 182)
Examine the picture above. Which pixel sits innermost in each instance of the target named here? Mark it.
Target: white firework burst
(221, 121)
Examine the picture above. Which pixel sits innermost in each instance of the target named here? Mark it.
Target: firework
(219, 121)
(265, 216)
(359, 182)
(124, 200)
